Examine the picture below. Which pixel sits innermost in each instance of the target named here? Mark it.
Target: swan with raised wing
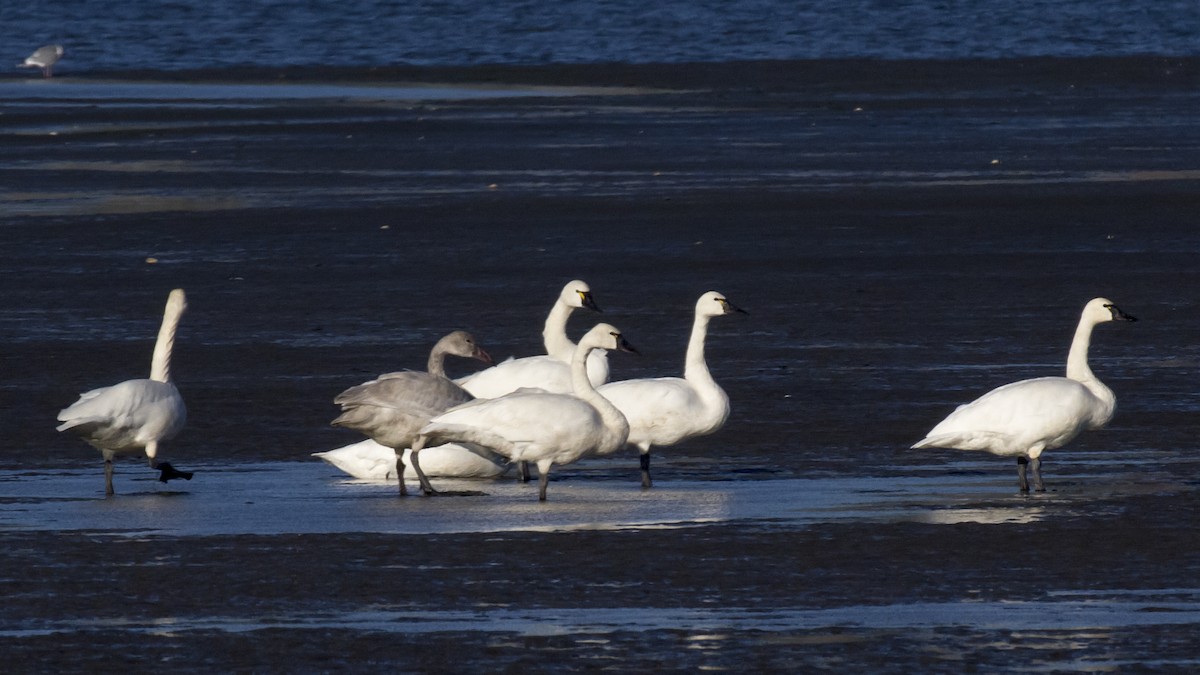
(135, 415)
(1026, 418)
(537, 426)
(664, 411)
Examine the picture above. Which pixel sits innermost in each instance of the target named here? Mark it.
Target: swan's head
(713, 303)
(578, 294)
(1100, 310)
(176, 302)
(606, 336)
(462, 343)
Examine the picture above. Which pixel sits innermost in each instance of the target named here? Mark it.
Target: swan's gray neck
(695, 368)
(554, 335)
(437, 361)
(160, 363)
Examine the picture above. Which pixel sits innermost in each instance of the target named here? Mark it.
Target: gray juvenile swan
(135, 415)
(393, 407)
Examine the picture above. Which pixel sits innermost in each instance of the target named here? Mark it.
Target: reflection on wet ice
(308, 497)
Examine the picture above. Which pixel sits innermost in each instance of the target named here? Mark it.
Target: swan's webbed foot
(645, 459)
(168, 472)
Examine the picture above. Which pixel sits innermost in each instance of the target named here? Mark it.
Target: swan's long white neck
(616, 427)
(160, 363)
(554, 335)
(695, 368)
(1078, 369)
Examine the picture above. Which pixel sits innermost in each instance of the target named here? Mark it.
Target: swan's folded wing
(1010, 419)
(542, 372)
(665, 409)
(417, 393)
(508, 424)
(441, 433)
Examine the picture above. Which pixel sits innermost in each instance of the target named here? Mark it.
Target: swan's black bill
(168, 472)
(588, 302)
(729, 307)
(1118, 315)
(623, 345)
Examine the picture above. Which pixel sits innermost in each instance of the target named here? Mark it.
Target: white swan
(43, 57)
(368, 460)
(552, 371)
(1028, 417)
(537, 426)
(392, 408)
(135, 415)
(663, 411)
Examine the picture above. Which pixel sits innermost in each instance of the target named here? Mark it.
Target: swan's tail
(964, 440)
(83, 426)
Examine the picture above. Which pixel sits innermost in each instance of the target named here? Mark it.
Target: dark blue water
(113, 35)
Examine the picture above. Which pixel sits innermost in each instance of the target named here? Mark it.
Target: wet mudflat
(899, 250)
(891, 573)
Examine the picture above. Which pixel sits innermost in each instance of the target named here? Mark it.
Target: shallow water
(311, 498)
(225, 95)
(106, 35)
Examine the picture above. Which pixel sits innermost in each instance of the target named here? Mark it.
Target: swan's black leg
(645, 469)
(1022, 462)
(523, 471)
(1035, 466)
(108, 471)
(426, 487)
(543, 480)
